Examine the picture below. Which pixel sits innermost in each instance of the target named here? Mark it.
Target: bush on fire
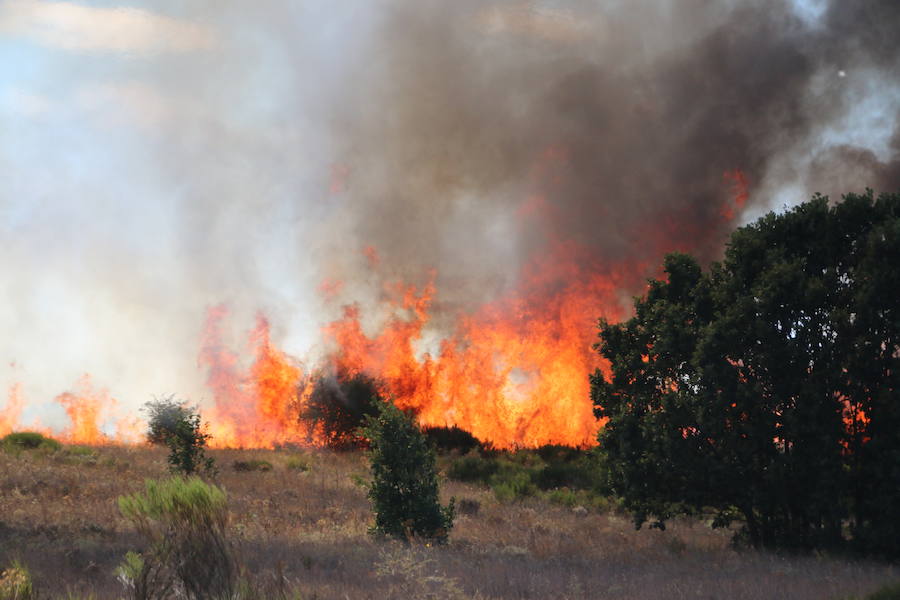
(767, 388)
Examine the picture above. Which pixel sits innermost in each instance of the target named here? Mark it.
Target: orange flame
(12, 412)
(514, 374)
(85, 408)
(258, 409)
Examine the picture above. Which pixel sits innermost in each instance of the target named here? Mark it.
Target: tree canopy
(766, 388)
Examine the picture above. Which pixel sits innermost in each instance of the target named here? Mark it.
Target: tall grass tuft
(184, 522)
(15, 583)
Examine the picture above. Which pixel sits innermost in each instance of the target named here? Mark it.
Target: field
(302, 526)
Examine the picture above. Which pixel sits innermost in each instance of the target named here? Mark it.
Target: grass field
(303, 523)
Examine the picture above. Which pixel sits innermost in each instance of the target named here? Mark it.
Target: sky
(158, 159)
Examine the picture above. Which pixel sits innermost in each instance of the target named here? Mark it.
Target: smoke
(636, 109)
(155, 164)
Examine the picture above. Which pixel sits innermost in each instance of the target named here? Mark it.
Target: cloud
(74, 27)
(25, 102)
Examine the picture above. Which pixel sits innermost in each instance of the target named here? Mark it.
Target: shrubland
(758, 398)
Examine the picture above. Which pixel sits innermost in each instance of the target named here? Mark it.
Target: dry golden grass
(58, 515)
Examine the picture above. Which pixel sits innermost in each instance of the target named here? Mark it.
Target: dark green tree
(766, 389)
(404, 488)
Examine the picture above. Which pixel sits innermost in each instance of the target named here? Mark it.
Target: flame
(86, 408)
(513, 374)
(12, 412)
(257, 409)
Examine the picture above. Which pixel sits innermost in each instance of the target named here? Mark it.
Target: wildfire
(12, 412)
(257, 409)
(514, 372)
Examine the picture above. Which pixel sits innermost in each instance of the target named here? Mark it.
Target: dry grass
(58, 515)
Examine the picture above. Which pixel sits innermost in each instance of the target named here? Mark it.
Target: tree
(163, 416)
(178, 426)
(766, 388)
(404, 488)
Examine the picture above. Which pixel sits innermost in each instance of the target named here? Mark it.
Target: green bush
(184, 522)
(251, 465)
(511, 483)
(404, 488)
(15, 583)
(163, 416)
(298, 463)
(473, 469)
(567, 476)
(174, 424)
(28, 440)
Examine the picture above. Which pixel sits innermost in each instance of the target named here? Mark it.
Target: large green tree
(767, 388)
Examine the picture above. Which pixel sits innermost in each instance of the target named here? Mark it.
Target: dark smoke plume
(625, 115)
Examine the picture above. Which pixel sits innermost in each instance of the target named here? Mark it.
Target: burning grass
(305, 529)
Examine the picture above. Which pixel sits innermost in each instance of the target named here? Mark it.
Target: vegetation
(339, 406)
(566, 476)
(183, 522)
(28, 440)
(174, 424)
(15, 583)
(251, 465)
(889, 592)
(452, 439)
(404, 488)
(163, 416)
(766, 389)
(309, 534)
(298, 463)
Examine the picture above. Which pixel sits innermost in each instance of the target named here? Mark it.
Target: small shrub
(298, 463)
(184, 522)
(451, 439)
(15, 583)
(251, 465)
(163, 416)
(563, 497)
(174, 424)
(408, 572)
(404, 488)
(187, 443)
(468, 506)
(28, 440)
(512, 484)
(473, 469)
